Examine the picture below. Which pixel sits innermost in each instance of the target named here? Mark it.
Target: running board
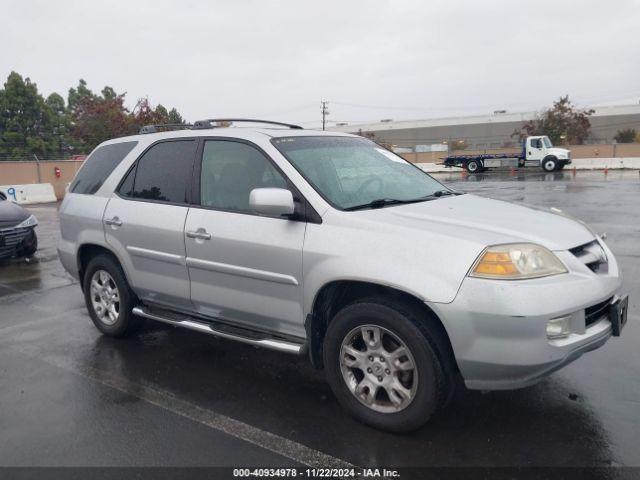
(203, 327)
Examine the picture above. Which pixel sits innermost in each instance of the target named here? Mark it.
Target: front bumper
(498, 328)
(13, 241)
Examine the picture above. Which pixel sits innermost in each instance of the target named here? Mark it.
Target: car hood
(11, 214)
(485, 221)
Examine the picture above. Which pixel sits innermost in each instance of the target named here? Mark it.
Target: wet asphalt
(169, 397)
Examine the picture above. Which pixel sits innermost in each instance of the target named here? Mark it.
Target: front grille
(595, 312)
(12, 238)
(593, 256)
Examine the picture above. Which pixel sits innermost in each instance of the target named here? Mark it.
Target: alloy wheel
(105, 297)
(378, 368)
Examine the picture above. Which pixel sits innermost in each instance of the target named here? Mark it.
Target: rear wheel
(382, 368)
(108, 297)
(474, 166)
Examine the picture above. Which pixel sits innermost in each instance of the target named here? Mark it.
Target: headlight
(515, 261)
(32, 221)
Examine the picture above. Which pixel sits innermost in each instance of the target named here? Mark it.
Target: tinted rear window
(99, 166)
(164, 172)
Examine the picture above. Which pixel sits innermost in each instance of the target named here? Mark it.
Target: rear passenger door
(244, 267)
(144, 222)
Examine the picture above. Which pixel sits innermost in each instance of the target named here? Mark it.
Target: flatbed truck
(536, 151)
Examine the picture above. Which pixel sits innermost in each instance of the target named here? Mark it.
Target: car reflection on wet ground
(69, 396)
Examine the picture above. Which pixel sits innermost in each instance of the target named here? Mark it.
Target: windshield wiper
(383, 202)
(440, 193)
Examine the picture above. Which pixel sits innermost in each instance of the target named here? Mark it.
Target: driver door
(535, 151)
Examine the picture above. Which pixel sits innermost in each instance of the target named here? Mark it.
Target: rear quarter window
(99, 166)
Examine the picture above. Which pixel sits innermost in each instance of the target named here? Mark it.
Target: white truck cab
(539, 149)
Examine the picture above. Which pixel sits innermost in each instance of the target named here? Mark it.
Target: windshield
(547, 142)
(350, 171)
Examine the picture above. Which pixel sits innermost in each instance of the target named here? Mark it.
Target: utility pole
(325, 112)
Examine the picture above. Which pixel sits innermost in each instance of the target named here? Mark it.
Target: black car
(17, 230)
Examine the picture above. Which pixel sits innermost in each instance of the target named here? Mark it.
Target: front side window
(98, 166)
(163, 173)
(230, 170)
(351, 172)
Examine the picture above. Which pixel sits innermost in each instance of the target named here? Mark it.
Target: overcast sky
(370, 59)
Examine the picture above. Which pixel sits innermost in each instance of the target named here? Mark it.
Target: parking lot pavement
(69, 396)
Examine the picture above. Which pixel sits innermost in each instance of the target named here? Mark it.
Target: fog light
(559, 327)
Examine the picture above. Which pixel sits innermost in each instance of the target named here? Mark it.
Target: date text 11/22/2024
(314, 473)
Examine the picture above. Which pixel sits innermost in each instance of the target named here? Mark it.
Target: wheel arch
(87, 251)
(337, 294)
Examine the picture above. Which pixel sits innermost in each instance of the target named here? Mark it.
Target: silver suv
(330, 246)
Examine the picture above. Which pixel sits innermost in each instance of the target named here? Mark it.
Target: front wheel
(381, 367)
(108, 297)
(549, 164)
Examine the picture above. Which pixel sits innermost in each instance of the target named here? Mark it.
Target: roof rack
(168, 126)
(209, 123)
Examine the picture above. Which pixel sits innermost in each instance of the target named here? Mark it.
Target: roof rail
(168, 126)
(209, 123)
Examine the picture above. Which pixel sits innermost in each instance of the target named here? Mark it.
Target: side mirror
(271, 201)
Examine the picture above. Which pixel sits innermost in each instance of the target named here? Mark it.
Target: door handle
(200, 234)
(115, 221)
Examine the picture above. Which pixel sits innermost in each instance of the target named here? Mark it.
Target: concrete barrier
(631, 163)
(29, 194)
(58, 173)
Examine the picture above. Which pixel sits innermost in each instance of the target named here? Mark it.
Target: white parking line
(235, 428)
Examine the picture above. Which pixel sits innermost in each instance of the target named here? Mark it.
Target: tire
(473, 166)
(425, 387)
(549, 164)
(98, 289)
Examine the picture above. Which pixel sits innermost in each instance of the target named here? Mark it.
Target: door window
(163, 173)
(230, 170)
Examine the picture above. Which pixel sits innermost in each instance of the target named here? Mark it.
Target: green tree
(25, 119)
(175, 117)
(30, 124)
(628, 135)
(79, 95)
(562, 123)
(60, 133)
